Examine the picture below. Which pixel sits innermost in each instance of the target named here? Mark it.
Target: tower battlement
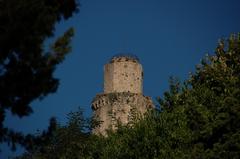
(124, 57)
(124, 97)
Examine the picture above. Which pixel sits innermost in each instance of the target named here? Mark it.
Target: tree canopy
(198, 118)
(26, 67)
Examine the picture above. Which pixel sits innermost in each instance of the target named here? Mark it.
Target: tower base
(113, 108)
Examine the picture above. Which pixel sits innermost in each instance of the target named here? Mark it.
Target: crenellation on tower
(122, 96)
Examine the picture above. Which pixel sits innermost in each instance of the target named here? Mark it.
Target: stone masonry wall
(123, 107)
(123, 75)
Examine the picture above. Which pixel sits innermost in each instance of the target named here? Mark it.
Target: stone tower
(122, 98)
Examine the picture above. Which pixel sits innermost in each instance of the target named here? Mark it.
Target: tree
(216, 92)
(26, 68)
(66, 141)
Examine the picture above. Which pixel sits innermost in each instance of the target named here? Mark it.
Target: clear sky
(169, 36)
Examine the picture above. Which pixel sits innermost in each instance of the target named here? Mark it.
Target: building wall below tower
(113, 108)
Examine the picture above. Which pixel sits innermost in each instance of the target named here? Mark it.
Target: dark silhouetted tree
(26, 67)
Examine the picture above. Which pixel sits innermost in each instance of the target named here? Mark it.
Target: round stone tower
(122, 99)
(123, 74)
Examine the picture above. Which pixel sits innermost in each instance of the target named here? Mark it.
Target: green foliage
(198, 119)
(26, 68)
(66, 141)
(211, 103)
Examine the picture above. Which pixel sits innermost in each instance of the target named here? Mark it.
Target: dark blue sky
(169, 36)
